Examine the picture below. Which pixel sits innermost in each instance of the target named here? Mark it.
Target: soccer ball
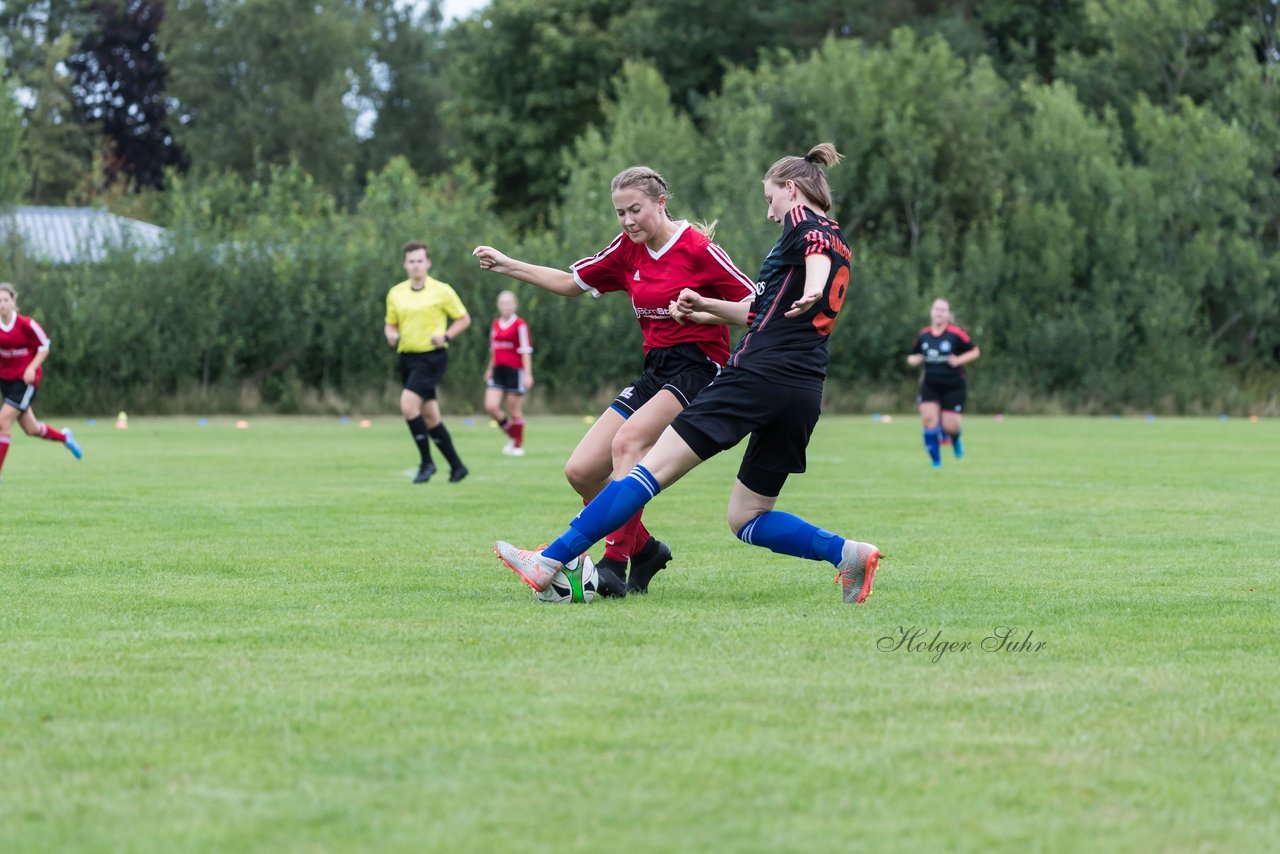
(561, 591)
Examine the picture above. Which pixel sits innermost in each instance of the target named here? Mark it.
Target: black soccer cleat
(424, 473)
(458, 474)
(646, 564)
(611, 578)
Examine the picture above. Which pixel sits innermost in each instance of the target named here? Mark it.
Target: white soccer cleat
(517, 451)
(857, 569)
(534, 569)
(509, 447)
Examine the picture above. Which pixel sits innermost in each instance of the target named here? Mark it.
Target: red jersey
(654, 279)
(509, 342)
(19, 342)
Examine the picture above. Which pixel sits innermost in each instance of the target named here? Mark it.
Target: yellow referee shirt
(422, 314)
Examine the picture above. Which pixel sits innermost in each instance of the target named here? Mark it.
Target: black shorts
(683, 370)
(422, 372)
(780, 419)
(949, 397)
(18, 394)
(509, 380)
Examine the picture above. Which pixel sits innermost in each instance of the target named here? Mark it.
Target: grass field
(270, 640)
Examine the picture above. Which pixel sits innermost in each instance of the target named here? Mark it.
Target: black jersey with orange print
(793, 350)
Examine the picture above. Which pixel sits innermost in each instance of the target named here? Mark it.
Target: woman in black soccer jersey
(944, 349)
(769, 390)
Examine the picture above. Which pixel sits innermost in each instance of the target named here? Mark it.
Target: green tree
(527, 78)
(29, 27)
(1163, 49)
(407, 89)
(266, 83)
(1027, 36)
(639, 126)
(525, 81)
(1212, 228)
(57, 150)
(36, 39)
(13, 177)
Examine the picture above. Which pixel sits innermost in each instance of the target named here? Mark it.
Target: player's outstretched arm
(692, 305)
(816, 270)
(548, 278)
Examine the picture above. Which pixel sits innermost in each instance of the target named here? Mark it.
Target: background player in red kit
(652, 260)
(509, 374)
(23, 348)
(944, 349)
(770, 390)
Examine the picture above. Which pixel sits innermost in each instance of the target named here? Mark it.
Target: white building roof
(76, 235)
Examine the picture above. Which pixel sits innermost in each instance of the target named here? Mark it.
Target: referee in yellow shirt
(423, 316)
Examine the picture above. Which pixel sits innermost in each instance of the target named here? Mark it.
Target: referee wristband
(447, 339)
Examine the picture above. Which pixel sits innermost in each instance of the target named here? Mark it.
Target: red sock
(642, 538)
(621, 544)
(47, 432)
(517, 432)
(4, 449)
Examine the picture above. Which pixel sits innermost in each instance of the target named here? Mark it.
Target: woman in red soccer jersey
(509, 374)
(944, 349)
(23, 349)
(652, 260)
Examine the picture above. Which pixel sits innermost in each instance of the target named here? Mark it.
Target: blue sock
(955, 444)
(932, 440)
(790, 535)
(615, 504)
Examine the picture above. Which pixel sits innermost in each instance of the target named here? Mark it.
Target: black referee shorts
(950, 397)
(683, 370)
(18, 394)
(422, 372)
(780, 419)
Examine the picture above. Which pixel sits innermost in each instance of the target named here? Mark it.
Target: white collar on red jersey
(12, 323)
(507, 325)
(681, 225)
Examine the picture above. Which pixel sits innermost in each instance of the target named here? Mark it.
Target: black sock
(418, 429)
(440, 434)
(649, 549)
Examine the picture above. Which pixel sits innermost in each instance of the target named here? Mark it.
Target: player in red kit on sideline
(23, 349)
(509, 374)
(652, 260)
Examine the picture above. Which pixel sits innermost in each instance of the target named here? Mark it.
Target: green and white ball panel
(576, 586)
